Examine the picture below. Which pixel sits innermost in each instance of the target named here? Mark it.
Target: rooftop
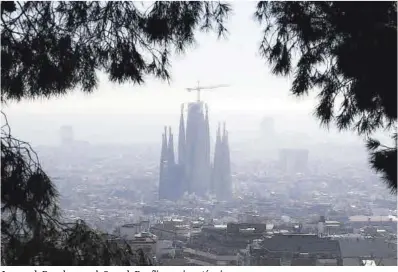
(364, 218)
(366, 247)
(311, 244)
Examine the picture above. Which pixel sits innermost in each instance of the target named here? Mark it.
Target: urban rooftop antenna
(200, 88)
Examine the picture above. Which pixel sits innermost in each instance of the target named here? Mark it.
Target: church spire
(218, 144)
(207, 135)
(216, 163)
(171, 159)
(162, 167)
(224, 132)
(226, 168)
(207, 160)
(218, 139)
(222, 185)
(181, 138)
(163, 154)
(225, 145)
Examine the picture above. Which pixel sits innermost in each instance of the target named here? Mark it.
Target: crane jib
(200, 88)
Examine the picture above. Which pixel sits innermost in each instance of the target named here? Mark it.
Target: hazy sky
(235, 61)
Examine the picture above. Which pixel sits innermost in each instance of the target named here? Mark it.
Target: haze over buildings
(257, 184)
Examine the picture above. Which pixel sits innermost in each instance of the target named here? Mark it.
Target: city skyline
(110, 158)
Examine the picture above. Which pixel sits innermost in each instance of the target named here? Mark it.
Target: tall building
(293, 160)
(193, 171)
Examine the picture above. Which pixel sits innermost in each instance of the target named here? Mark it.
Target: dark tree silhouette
(31, 229)
(347, 52)
(49, 49)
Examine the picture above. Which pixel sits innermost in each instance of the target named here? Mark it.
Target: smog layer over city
(221, 164)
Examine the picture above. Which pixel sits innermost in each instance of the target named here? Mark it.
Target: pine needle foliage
(346, 52)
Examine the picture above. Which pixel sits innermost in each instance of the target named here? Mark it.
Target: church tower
(216, 163)
(221, 177)
(181, 139)
(226, 170)
(207, 160)
(170, 149)
(192, 171)
(163, 166)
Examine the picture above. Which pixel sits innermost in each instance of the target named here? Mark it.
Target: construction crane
(199, 88)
